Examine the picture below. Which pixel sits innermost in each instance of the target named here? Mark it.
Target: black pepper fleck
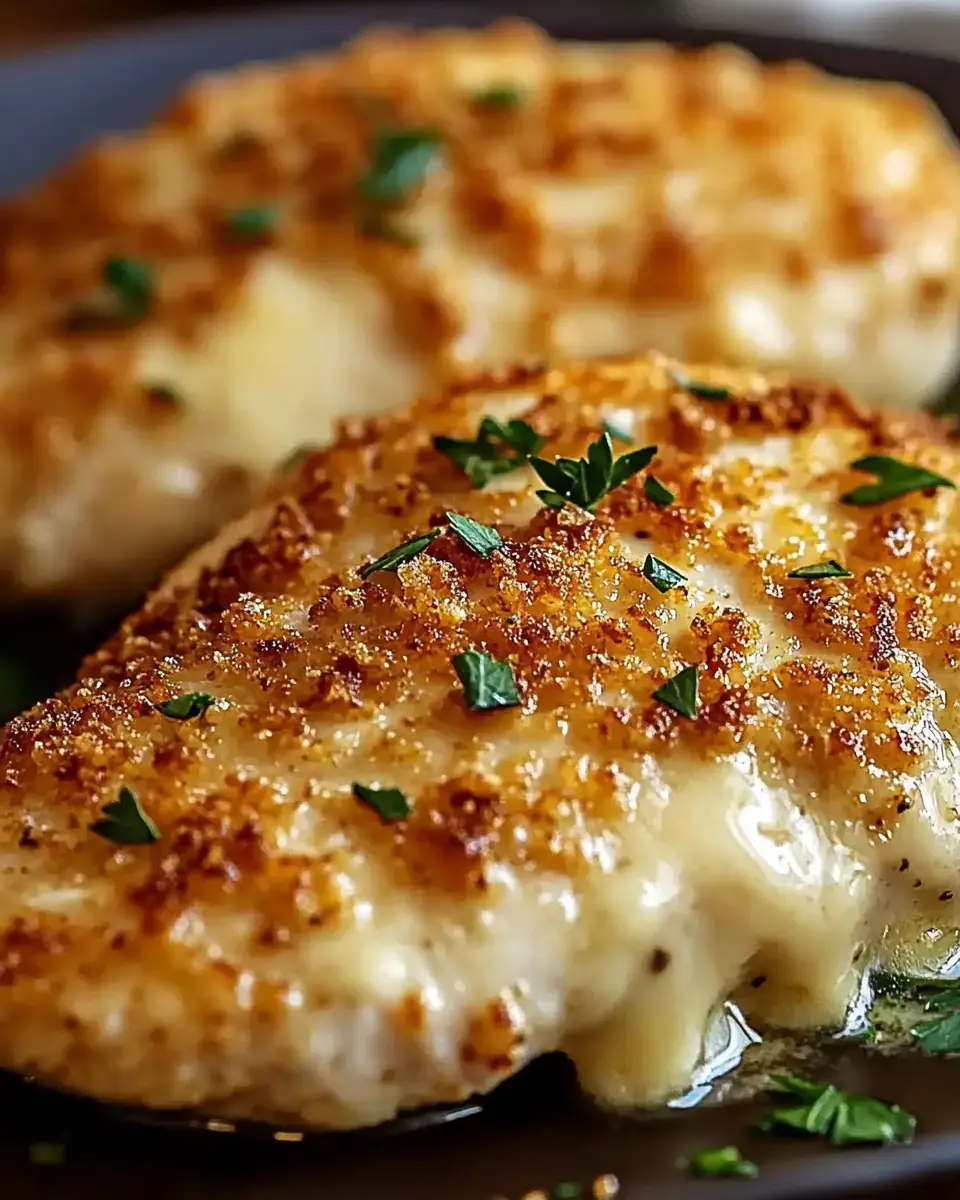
(919, 883)
(903, 806)
(758, 981)
(945, 896)
(904, 864)
(659, 961)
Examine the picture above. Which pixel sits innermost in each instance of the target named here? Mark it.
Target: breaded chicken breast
(405, 780)
(293, 244)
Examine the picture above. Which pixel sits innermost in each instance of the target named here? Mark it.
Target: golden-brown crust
(287, 645)
(738, 170)
(322, 679)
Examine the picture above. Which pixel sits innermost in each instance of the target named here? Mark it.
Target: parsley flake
(400, 554)
(487, 683)
(893, 479)
(843, 1118)
(661, 574)
(654, 490)
(488, 454)
(499, 98)
(186, 707)
(681, 693)
(389, 803)
(125, 296)
(585, 481)
(481, 539)
(703, 391)
(399, 163)
(125, 822)
(567, 1191)
(939, 1031)
(47, 1154)
(253, 224)
(830, 569)
(724, 1162)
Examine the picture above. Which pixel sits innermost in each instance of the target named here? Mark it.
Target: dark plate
(537, 1131)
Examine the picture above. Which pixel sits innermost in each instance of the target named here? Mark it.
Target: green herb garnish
(399, 163)
(185, 707)
(131, 282)
(703, 391)
(843, 1118)
(481, 539)
(654, 490)
(661, 574)
(501, 98)
(400, 554)
(487, 683)
(125, 296)
(618, 434)
(830, 569)
(894, 478)
(253, 224)
(585, 481)
(389, 803)
(125, 822)
(47, 1154)
(681, 693)
(939, 1033)
(489, 454)
(724, 1162)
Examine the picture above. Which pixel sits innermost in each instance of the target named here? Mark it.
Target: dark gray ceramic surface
(539, 1131)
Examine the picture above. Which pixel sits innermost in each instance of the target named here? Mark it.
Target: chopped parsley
(166, 393)
(489, 454)
(185, 707)
(661, 574)
(681, 693)
(567, 1191)
(481, 539)
(893, 479)
(390, 804)
(703, 391)
(585, 481)
(125, 822)
(47, 1154)
(125, 296)
(400, 161)
(500, 98)
(253, 224)
(654, 490)
(616, 433)
(830, 569)
(132, 283)
(400, 554)
(487, 683)
(724, 1162)
(939, 1030)
(843, 1118)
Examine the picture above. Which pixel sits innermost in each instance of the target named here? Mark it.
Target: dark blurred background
(911, 24)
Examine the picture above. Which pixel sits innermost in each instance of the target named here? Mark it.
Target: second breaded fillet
(292, 244)
(711, 754)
